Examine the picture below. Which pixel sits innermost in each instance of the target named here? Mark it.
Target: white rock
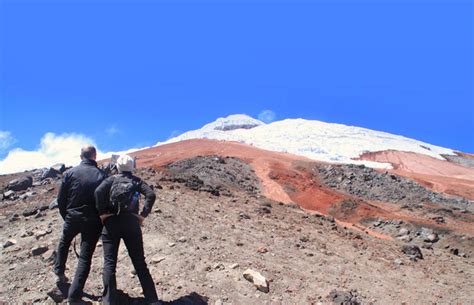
(257, 279)
(157, 259)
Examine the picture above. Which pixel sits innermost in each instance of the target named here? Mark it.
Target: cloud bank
(64, 148)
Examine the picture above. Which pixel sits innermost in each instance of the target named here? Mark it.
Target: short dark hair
(87, 152)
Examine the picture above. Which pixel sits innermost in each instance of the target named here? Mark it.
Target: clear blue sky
(153, 68)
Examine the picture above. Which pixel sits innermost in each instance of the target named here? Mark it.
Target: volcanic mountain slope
(398, 231)
(213, 220)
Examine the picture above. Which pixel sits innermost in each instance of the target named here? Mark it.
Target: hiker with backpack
(76, 205)
(118, 206)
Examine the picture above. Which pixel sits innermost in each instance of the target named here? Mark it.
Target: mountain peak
(232, 122)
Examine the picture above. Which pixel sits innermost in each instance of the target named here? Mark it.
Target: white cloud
(267, 116)
(64, 148)
(112, 130)
(6, 140)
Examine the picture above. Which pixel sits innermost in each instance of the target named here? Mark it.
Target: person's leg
(90, 233)
(110, 243)
(70, 230)
(133, 240)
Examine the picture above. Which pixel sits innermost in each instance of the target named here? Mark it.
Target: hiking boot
(75, 302)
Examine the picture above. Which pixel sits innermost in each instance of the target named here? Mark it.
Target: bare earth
(198, 244)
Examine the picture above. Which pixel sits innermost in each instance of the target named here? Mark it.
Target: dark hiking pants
(126, 227)
(90, 232)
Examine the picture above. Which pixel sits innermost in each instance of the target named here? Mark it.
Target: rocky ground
(204, 233)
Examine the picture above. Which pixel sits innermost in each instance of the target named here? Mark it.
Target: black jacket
(102, 194)
(76, 194)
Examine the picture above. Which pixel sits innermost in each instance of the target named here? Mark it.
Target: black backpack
(124, 194)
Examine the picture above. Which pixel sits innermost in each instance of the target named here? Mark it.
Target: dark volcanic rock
(344, 297)
(369, 184)
(214, 174)
(39, 250)
(49, 173)
(20, 184)
(413, 252)
(60, 167)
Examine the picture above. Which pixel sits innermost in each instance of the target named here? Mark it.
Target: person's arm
(62, 196)
(150, 198)
(102, 193)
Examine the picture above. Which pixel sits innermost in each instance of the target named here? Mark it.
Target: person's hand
(103, 217)
(140, 219)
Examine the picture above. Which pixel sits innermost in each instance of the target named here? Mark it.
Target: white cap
(125, 163)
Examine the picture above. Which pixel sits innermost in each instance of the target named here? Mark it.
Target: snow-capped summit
(232, 122)
(316, 140)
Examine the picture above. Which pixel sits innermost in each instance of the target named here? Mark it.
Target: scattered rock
(20, 184)
(59, 167)
(9, 195)
(14, 217)
(413, 252)
(304, 239)
(403, 232)
(30, 211)
(182, 239)
(39, 214)
(405, 238)
(431, 238)
(49, 173)
(9, 243)
(259, 281)
(38, 250)
(40, 233)
(344, 297)
(263, 210)
(242, 215)
(157, 259)
(234, 266)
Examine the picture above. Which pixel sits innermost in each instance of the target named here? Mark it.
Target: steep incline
(294, 179)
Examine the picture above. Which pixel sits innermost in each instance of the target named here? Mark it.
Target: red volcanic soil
(288, 178)
(438, 175)
(280, 180)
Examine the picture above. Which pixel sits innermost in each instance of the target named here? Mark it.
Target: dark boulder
(60, 167)
(413, 252)
(20, 184)
(50, 173)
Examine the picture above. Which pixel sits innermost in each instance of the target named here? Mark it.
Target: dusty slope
(290, 179)
(210, 214)
(197, 236)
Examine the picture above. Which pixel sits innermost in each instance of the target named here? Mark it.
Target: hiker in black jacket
(76, 204)
(117, 204)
